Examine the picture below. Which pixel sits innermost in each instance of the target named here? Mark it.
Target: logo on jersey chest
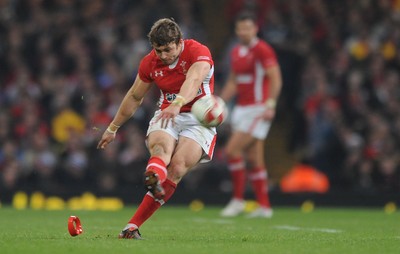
(158, 74)
(183, 65)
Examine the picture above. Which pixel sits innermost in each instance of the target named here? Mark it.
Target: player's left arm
(275, 81)
(275, 85)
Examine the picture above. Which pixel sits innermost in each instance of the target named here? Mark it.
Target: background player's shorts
(248, 119)
(186, 125)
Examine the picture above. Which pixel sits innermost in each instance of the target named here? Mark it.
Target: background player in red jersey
(183, 71)
(255, 79)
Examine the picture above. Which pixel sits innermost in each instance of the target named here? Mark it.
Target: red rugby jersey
(169, 78)
(248, 63)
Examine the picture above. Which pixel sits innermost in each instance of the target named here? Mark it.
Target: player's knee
(251, 160)
(177, 169)
(231, 152)
(159, 151)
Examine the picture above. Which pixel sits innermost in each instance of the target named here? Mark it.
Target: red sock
(149, 205)
(157, 166)
(238, 175)
(258, 178)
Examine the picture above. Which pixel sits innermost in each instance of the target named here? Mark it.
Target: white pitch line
(217, 221)
(294, 228)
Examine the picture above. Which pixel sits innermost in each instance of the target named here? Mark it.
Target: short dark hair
(164, 31)
(246, 15)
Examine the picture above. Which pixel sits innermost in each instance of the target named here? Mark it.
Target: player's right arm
(128, 107)
(230, 88)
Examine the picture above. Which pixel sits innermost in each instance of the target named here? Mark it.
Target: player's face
(246, 30)
(168, 53)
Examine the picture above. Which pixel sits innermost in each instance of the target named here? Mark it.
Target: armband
(270, 103)
(112, 128)
(179, 101)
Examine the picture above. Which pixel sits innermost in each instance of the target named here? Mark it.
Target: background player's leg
(234, 150)
(258, 177)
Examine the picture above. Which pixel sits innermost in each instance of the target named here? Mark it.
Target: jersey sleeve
(201, 53)
(267, 56)
(144, 70)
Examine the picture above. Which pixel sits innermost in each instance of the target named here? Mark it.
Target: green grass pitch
(177, 229)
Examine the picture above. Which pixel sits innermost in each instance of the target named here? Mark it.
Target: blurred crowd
(346, 122)
(65, 66)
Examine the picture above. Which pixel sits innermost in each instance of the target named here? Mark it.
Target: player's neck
(250, 43)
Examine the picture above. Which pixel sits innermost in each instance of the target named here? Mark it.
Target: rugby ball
(210, 110)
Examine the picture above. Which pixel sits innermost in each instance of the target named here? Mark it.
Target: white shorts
(186, 125)
(248, 119)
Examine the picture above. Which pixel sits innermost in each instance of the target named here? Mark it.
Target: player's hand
(269, 114)
(106, 139)
(168, 115)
